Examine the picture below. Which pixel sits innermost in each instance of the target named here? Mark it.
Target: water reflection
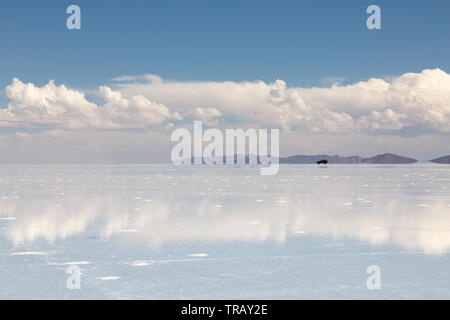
(171, 212)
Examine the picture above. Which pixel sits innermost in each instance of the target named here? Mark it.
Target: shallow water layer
(168, 232)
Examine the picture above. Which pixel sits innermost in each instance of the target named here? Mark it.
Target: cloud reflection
(226, 216)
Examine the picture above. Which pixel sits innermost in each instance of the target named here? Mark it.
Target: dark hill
(388, 158)
(442, 160)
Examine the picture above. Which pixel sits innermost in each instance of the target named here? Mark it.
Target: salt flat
(168, 232)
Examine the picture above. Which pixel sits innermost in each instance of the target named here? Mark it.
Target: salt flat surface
(167, 232)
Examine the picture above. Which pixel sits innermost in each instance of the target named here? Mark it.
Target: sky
(113, 91)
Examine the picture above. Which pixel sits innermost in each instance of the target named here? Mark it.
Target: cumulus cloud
(55, 106)
(388, 119)
(409, 114)
(207, 115)
(292, 112)
(416, 101)
(413, 102)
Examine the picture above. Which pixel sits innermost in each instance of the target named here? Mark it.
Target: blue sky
(301, 42)
(311, 68)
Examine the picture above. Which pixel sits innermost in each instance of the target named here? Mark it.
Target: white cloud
(417, 101)
(207, 115)
(412, 113)
(387, 119)
(292, 112)
(54, 217)
(414, 100)
(55, 106)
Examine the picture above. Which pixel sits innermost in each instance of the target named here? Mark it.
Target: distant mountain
(388, 158)
(442, 160)
(300, 159)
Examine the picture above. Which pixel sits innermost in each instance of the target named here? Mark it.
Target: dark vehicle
(322, 162)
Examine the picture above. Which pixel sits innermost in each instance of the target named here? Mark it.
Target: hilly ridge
(442, 160)
(386, 158)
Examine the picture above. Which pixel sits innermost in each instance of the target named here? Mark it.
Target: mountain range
(442, 160)
(386, 158)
